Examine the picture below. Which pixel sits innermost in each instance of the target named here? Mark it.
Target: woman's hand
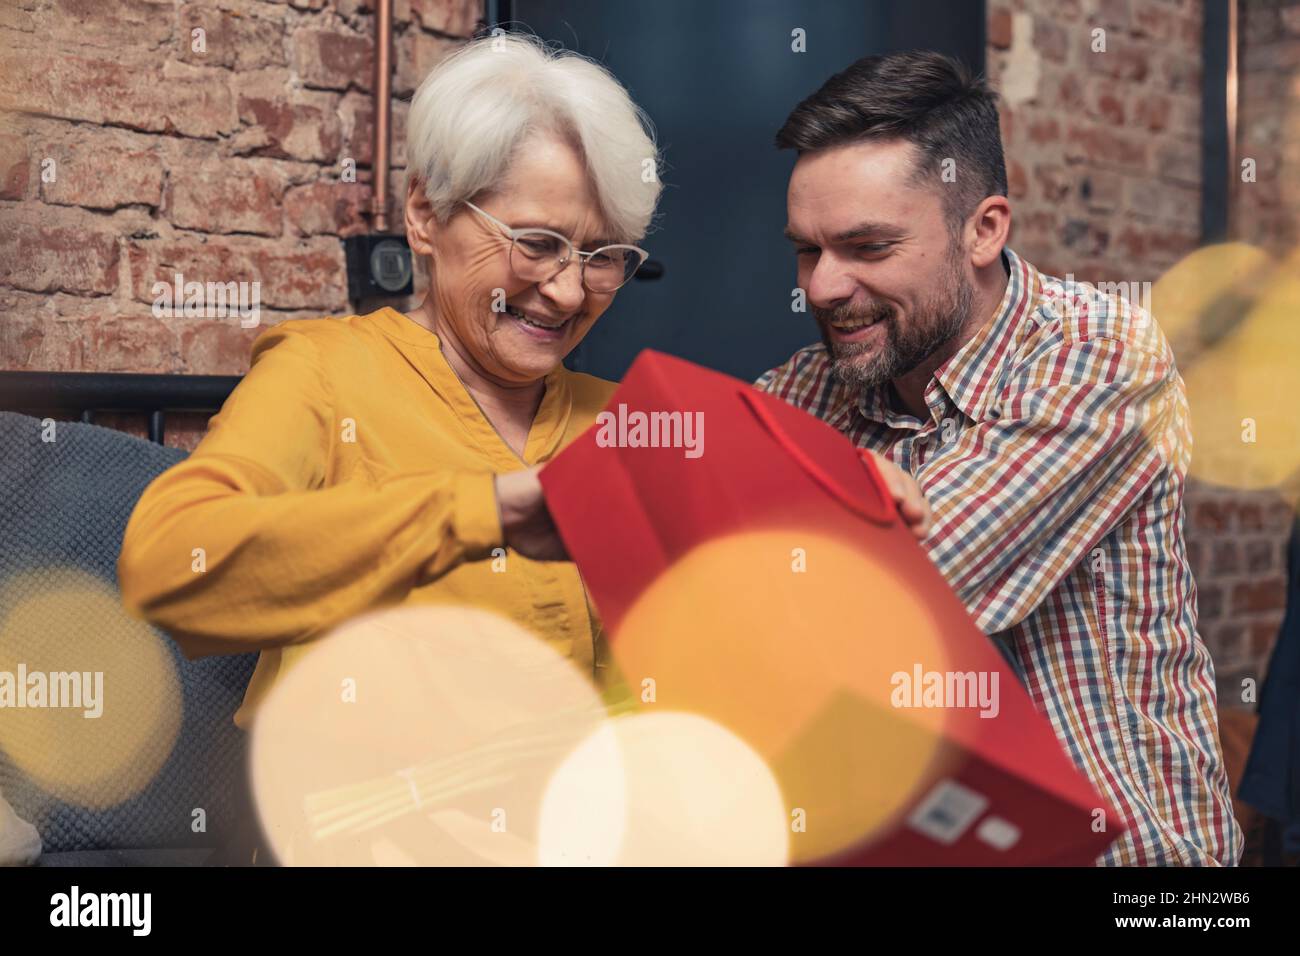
(912, 506)
(525, 521)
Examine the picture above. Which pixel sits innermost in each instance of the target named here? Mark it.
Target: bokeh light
(663, 789)
(1229, 313)
(798, 665)
(417, 736)
(66, 622)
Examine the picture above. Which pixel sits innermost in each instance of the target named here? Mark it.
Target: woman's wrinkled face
(517, 331)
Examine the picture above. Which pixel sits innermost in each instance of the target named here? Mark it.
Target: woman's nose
(565, 287)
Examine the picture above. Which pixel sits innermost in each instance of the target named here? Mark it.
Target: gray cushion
(65, 505)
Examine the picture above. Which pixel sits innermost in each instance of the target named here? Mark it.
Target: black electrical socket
(379, 265)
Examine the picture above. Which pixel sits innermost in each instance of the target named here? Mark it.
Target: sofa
(69, 489)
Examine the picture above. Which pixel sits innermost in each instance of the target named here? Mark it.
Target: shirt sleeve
(242, 546)
(1082, 431)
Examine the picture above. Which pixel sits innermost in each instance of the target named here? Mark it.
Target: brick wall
(1103, 145)
(1267, 210)
(135, 147)
(1103, 154)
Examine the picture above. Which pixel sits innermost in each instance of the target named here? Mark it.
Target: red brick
(1043, 130)
(1180, 162)
(1109, 108)
(1053, 182)
(1260, 556)
(1225, 558)
(1291, 19)
(301, 126)
(1225, 639)
(1052, 40)
(1100, 144)
(232, 195)
(416, 57)
(358, 125)
(1263, 635)
(135, 94)
(327, 208)
(1155, 21)
(47, 250)
(1182, 74)
(1124, 59)
(1259, 23)
(35, 334)
(1250, 516)
(111, 24)
(999, 28)
(1017, 180)
(103, 169)
(1085, 237)
(1153, 112)
(1070, 90)
(215, 346)
(232, 40)
(1209, 602)
(1101, 191)
(1113, 14)
(1254, 596)
(1007, 122)
(454, 18)
(15, 167)
(20, 21)
(138, 342)
(308, 274)
(1212, 515)
(331, 60)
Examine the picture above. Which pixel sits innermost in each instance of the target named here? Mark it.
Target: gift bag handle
(881, 509)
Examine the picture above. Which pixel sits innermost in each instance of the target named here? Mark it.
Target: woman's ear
(420, 220)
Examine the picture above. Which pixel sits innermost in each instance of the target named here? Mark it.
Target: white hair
(474, 110)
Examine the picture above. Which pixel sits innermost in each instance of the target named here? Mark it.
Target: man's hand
(525, 522)
(912, 506)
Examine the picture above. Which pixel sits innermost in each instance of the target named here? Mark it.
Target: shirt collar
(423, 350)
(970, 377)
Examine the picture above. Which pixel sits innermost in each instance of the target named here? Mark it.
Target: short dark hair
(930, 100)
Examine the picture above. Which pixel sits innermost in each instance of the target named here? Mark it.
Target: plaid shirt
(1054, 460)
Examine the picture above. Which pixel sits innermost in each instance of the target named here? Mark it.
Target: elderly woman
(393, 457)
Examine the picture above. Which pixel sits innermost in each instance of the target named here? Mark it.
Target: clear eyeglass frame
(536, 263)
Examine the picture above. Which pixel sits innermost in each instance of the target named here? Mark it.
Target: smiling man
(1046, 425)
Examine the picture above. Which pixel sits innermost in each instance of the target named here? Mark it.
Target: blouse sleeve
(242, 547)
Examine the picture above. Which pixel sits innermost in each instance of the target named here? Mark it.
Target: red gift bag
(750, 570)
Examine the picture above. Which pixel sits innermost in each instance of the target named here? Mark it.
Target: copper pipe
(383, 111)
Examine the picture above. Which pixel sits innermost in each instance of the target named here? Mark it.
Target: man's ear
(420, 220)
(990, 227)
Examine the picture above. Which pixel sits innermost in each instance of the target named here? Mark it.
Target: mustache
(848, 311)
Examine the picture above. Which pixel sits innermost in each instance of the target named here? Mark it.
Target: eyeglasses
(538, 255)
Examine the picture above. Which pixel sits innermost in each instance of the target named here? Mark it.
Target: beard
(938, 319)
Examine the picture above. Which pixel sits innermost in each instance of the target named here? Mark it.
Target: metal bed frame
(83, 394)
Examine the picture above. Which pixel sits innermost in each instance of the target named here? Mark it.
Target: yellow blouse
(349, 470)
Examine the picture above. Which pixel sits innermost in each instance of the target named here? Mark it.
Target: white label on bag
(998, 833)
(947, 811)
